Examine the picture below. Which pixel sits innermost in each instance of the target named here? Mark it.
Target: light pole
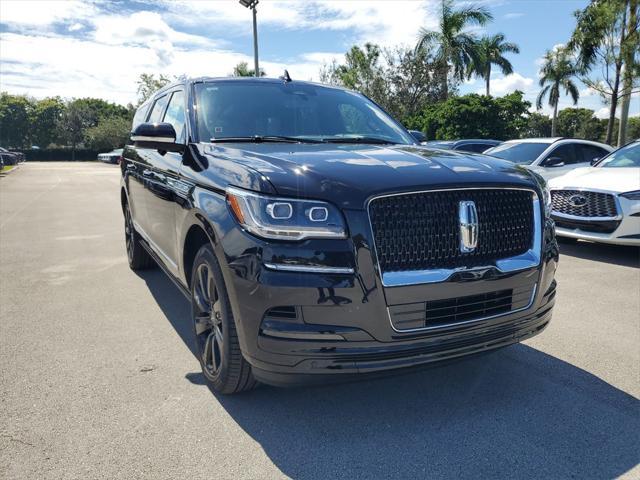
(252, 5)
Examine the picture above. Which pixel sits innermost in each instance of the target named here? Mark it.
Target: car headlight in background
(285, 218)
(634, 195)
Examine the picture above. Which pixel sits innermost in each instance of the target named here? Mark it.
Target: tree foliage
(402, 81)
(474, 116)
(607, 46)
(148, 84)
(242, 70)
(109, 133)
(15, 120)
(557, 74)
(580, 123)
(456, 45)
(490, 51)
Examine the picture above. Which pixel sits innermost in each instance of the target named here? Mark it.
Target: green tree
(557, 72)
(148, 84)
(362, 71)
(579, 123)
(74, 121)
(537, 125)
(45, 116)
(474, 116)
(605, 41)
(491, 50)
(457, 46)
(109, 133)
(633, 128)
(242, 70)
(15, 120)
(403, 81)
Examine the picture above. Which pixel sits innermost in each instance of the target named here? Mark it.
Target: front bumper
(341, 326)
(626, 232)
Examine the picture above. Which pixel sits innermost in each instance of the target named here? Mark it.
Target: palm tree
(457, 47)
(556, 72)
(491, 51)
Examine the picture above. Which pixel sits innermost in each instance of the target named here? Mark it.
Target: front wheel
(217, 345)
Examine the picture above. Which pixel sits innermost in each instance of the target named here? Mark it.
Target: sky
(87, 48)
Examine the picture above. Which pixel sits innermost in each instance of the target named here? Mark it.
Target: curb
(9, 172)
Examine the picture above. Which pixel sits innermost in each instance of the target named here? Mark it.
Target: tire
(214, 328)
(139, 258)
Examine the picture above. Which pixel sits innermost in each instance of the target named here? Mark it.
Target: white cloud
(512, 15)
(602, 112)
(387, 23)
(44, 12)
(504, 85)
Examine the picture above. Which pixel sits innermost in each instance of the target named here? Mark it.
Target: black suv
(316, 240)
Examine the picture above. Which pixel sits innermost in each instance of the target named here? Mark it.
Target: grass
(7, 168)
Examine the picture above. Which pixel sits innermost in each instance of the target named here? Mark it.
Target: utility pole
(251, 4)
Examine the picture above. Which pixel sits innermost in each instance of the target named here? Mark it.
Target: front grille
(448, 311)
(583, 204)
(421, 231)
(600, 226)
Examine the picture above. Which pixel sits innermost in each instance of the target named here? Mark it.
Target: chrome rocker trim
(529, 259)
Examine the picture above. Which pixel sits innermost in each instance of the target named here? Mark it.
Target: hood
(349, 175)
(612, 179)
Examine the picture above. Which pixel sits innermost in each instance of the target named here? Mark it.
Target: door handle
(131, 166)
(146, 172)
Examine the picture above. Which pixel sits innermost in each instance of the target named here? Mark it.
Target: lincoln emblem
(468, 217)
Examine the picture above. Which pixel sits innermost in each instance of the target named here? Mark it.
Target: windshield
(237, 109)
(523, 153)
(628, 156)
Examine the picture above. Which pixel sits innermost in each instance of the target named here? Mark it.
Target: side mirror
(156, 136)
(554, 162)
(595, 160)
(418, 135)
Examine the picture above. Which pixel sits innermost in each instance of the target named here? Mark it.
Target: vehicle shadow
(515, 413)
(600, 252)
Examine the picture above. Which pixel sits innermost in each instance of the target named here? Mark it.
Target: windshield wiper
(375, 140)
(265, 138)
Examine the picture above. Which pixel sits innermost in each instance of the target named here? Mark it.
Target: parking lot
(98, 379)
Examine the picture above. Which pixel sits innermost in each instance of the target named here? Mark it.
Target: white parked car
(600, 203)
(113, 156)
(550, 157)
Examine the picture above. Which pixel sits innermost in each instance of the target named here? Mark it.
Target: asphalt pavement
(98, 378)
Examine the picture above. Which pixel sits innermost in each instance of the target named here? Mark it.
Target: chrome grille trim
(569, 216)
(527, 260)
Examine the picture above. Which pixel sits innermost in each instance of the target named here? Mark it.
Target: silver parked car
(551, 157)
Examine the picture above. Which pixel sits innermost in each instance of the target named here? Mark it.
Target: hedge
(59, 154)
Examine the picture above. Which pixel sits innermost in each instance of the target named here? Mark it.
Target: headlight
(546, 194)
(635, 195)
(285, 218)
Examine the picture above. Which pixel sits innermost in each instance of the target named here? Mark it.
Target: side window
(158, 109)
(565, 152)
(140, 115)
(586, 153)
(175, 115)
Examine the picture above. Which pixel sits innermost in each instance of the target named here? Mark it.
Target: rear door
(587, 153)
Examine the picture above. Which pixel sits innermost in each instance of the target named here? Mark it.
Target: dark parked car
(11, 158)
(317, 241)
(468, 145)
